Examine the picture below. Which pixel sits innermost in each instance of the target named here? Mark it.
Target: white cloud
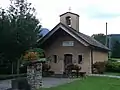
(49, 11)
(4, 3)
(93, 13)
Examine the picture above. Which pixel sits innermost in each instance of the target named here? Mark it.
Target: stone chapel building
(64, 44)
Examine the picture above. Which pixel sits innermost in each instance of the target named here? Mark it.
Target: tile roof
(86, 38)
(90, 40)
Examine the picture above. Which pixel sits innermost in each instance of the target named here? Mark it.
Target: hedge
(109, 66)
(112, 66)
(114, 59)
(99, 67)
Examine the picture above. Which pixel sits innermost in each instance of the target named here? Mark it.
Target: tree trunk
(12, 68)
(18, 64)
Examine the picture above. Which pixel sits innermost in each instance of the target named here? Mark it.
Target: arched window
(68, 20)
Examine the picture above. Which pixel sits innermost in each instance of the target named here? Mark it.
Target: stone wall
(34, 75)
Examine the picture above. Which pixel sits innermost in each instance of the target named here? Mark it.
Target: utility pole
(107, 44)
(106, 36)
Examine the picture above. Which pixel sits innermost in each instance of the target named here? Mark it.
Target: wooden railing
(13, 76)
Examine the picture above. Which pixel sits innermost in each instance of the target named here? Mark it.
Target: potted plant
(34, 55)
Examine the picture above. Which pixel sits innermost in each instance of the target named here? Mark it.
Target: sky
(93, 14)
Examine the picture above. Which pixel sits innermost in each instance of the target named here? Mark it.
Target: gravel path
(53, 82)
(4, 85)
(50, 82)
(47, 82)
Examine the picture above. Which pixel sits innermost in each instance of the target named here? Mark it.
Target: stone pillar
(38, 76)
(34, 75)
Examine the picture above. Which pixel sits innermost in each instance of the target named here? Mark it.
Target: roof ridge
(73, 30)
(91, 38)
(70, 13)
(86, 38)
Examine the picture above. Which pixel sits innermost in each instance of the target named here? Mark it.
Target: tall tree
(116, 50)
(100, 37)
(20, 29)
(4, 37)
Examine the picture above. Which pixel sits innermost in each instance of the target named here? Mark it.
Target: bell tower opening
(70, 19)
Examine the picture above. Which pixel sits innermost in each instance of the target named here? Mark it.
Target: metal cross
(69, 9)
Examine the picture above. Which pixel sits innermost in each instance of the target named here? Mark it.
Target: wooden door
(67, 59)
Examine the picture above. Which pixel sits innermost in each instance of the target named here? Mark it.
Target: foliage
(46, 67)
(116, 50)
(19, 29)
(73, 67)
(46, 70)
(5, 69)
(113, 44)
(33, 54)
(100, 37)
(114, 59)
(70, 67)
(99, 67)
(112, 73)
(39, 51)
(113, 66)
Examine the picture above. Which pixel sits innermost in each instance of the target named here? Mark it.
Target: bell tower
(70, 19)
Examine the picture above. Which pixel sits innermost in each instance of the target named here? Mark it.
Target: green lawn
(91, 83)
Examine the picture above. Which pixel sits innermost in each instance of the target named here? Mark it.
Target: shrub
(51, 72)
(5, 70)
(45, 67)
(99, 67)
(114, 59)
(47, 74)
(113, 66)
(73, 67)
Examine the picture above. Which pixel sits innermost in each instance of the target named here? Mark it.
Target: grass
(90, 83)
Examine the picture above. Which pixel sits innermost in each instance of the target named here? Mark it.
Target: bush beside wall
(112, 66)
(99, 67)
(46, 70)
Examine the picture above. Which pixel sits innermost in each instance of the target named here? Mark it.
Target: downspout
(91, 53)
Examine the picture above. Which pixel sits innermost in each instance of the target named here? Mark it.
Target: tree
(4, 38)
(116, 50)
(19, 29)
(100, 37)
